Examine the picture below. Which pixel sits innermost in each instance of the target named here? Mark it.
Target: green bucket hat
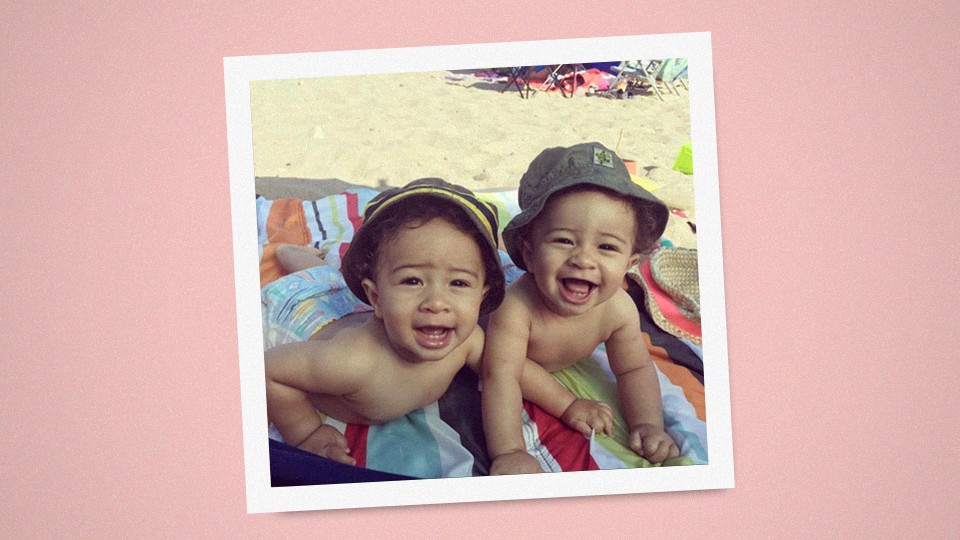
(559, 168)
(482, 215)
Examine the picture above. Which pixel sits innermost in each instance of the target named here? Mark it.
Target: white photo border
(239, 72)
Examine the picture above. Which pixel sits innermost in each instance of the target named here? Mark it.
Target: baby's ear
(373, 297)
(525, 251)
(634, 259)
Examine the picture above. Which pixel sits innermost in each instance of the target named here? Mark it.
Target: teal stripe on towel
(404, 446)
(688, 442)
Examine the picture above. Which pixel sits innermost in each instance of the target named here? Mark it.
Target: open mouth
(576, 291)
(433, 337)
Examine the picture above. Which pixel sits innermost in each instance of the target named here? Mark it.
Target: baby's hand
(653, 443)
(585, 415)
(517, 462)
(326, 441)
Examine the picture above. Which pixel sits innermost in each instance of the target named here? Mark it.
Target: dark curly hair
(412, 213)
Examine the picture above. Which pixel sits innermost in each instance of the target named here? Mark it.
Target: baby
(425, 259)
(583, 224)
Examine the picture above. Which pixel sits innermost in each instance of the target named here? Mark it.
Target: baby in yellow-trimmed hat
(425, 259)
(583, 224)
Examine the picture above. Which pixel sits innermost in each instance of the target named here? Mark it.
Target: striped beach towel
(445, 439)
(326, 222)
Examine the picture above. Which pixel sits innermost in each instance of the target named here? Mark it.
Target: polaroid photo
(319, 142)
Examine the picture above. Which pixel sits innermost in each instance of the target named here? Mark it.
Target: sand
(378, 130)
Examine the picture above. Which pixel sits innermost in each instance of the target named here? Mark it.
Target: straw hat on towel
(670, 280)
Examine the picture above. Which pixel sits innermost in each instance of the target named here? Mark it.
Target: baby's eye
(411, 281)
(609, 247)
(460, 283)
(565, 241)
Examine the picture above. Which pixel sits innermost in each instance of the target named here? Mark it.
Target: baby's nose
(434, 301)
(582, 258)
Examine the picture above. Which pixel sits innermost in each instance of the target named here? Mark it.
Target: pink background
(837, 135)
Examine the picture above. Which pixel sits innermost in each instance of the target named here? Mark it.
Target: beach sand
(377, 130)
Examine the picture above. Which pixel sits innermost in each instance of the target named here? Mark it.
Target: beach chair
(682, 74)
(515, 76)
(669, 71)
(559, 76)
(633, 73)
(554, 79)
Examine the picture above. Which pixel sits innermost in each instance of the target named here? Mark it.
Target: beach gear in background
(632, 74)
(561, 77)
(545, 77)
(567, 78)
(684, 161)
(677, 76)
(517, 76)
(669, 71)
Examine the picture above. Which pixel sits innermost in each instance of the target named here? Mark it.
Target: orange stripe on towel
(270, 269)
(286, 224)
(680, 376)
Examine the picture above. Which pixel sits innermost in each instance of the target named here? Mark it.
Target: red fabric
(353, 214)
(356, 435)
(353, 209)
(568, 447)
(585, 79)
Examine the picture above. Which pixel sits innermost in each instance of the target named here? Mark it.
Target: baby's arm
(294, 258)
(584, 415)
(503, 364)
(293, 372)
(638, 385)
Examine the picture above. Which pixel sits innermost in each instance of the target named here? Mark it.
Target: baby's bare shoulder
(354, 349)
(472, 350)
(621, 312)
(622, 305)
(517, 304)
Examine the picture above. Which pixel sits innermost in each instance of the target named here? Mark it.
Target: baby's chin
(421, 354)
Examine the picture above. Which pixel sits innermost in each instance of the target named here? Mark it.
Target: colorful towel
(445, 438)
(559, 448)
(419, 444)
(322, 223)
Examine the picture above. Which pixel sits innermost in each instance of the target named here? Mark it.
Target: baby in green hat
(425, 259)
(583, 224)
